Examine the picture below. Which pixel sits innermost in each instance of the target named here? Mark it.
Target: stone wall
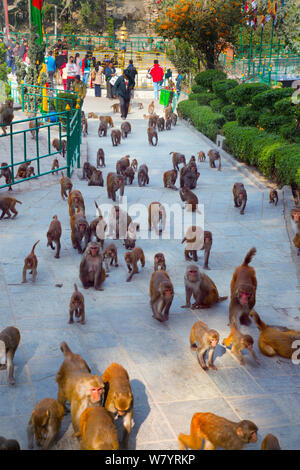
(139, 14)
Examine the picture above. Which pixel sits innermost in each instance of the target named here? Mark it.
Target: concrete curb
(288, 204)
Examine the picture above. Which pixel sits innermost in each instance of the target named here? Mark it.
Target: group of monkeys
(87, 393)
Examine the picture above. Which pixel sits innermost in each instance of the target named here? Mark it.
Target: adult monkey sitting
(123, 88)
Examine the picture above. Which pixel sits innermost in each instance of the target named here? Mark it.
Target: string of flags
(270, 9)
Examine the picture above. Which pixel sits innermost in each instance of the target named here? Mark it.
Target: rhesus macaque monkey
(115, 137)
(177, 158)
(77, 385)
(202, 339)
(134, 164)
(214, 155)
(79, 230)
(189, 175)
(216, 431)
(157, 217)
(239, 196)
(100, 158)
(29, 172)
(102, 129)
(296, 241)
(44, 423)
(273, 197)
(161, 124)
(190, 199)
(159, 261)
(168, 111)
(32, 126)
(21, 173)
(9, 342)
(153, 119)
(96, 178)
(7, 174)
(54, 234)
(152, 134)
(195, 240)
(98, 227)
(140, 106)
(119, 222)
(92, 116)
(295, 214)
(240, 342)
(270, 442)
(8, 204)
(151, 108)
(243, 290)
(143, 177)
(108, 120)
(122, 164)
(114, 182)
(161, 295)
(84, 124)
(201, 156)
(174, 119)
(55, 165)
(125, 129)
(30, 263)
(130, 240)
(129, 175)
(116, 107)
(274, 339)
(77, 306)
(65, 185)
(110, 253)
(87, 170)
(76, 201)
(131, 259)
(97, 430)
(168, 124)
(9, 444)
(60, 146)
(91, 271)
(6, 114)
(201, 287)
(170, 178)
(119, 399)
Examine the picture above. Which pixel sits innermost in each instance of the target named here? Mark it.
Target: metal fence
(43, 100)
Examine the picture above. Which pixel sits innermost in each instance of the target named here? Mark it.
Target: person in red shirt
(157, 74)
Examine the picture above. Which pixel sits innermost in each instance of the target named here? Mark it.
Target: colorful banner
(36, 17)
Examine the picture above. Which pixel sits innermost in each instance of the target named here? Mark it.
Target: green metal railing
(38, 99)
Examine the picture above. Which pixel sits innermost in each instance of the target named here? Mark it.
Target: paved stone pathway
(167, 382)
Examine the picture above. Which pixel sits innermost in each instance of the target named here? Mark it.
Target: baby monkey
(31, 263)
(240, 342)
(110, 253)
(159, 262)
(202, 339)
(77, 306)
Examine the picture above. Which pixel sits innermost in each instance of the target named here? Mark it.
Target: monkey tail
(156, 140)
(98, 209)
(259, 323)
(32, 251)
(221, 299)
(19, 202)
(65, 348)
(249, 256)
(75, 287)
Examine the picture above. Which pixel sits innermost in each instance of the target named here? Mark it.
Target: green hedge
(272, 122)
(193, 96)
(217, 105)
(268, 98)
(202, 118)
(198, 89)
(220, 87)
(285, 107)
(247, 116)
(228, 112)
(244, 93)
(206, 78)
(203, 99)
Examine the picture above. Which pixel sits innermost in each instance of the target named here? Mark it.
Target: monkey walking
(7, 205)
(44, 423)
(54, 234)
(77, 306)
(202, 339)
(273, 197)
(30, 263)
(240, 342)
(9, 342)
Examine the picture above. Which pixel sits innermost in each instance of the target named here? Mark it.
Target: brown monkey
(6, 114)
(202, 339)
(168, 124)
(9, 342)
(161, 124)
(201, 287)
(177, 158)
(21, 173)
(201, 156)
(84, 124)
(152, 134)
(91, 271)
(102, 129)
(98, 227)
(240, 342)
(170, 178)
(243, 291)
(55, 165)
(195, 240)
(151, 108)
(54, 234)
(130, 239)
(116, 107)
(100, 158)
(217, 432)
(239, 196)
(79, 230)
(168, 111)
(134, 164)
(129, 175)
(115, 137)
(161, 295)
(140, 106)
(119, 222)
(189, 175)
(76, 201)
(114, 182)
(296, 241)
(65, 185)
(152, 122)
(30, 172)
(8, 204)
(157, 217)
(31, 263)
(96, 178)
(191, 200)
(7, 174)
(87, 170)
(44, 423)
(126, 129)
(273, 197)
(110, 253)
(108, 120)
(275, 340)
(131, 259)
(122, 164)
(295, 214)
(9, 444)
(143, 177)
(270, 442)
(159, 261)
(92, 116)
(174, 119)
(77, 385)
(60, 146)
(214, 155)
(33, 126)
(97, 430)
(119, 400)
(77, 306)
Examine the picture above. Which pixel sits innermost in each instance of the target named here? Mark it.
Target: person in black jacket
(122, 89)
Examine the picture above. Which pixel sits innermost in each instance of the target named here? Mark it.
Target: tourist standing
(77, 62)
(110, 72)
(98, 73)
(178, 84)
(85, 67)
(133, 73)
(79, 86)
(71, 72)
(51, 67)
(122, 89)
(157, 74)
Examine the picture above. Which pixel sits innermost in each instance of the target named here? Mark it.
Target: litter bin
(164, 97)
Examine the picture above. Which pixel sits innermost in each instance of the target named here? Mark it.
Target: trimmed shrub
(203, 99)
(290, 132)
(193, 96)
(247, 116)
(284, 107)
(217, 105)
(272, 122)
(205, 79)
(220, 87)
(268, 98)
(198, 89)
(287, 164)
(244, 93)
(202, 117)
(228, 112)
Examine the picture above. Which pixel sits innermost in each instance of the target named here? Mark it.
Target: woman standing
(77, 63)
(98, 71)
(86, 69)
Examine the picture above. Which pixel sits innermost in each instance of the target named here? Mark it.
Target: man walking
(122, 88)
(157, 74)
(132, 72)
(110, 72)
(51, 67)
